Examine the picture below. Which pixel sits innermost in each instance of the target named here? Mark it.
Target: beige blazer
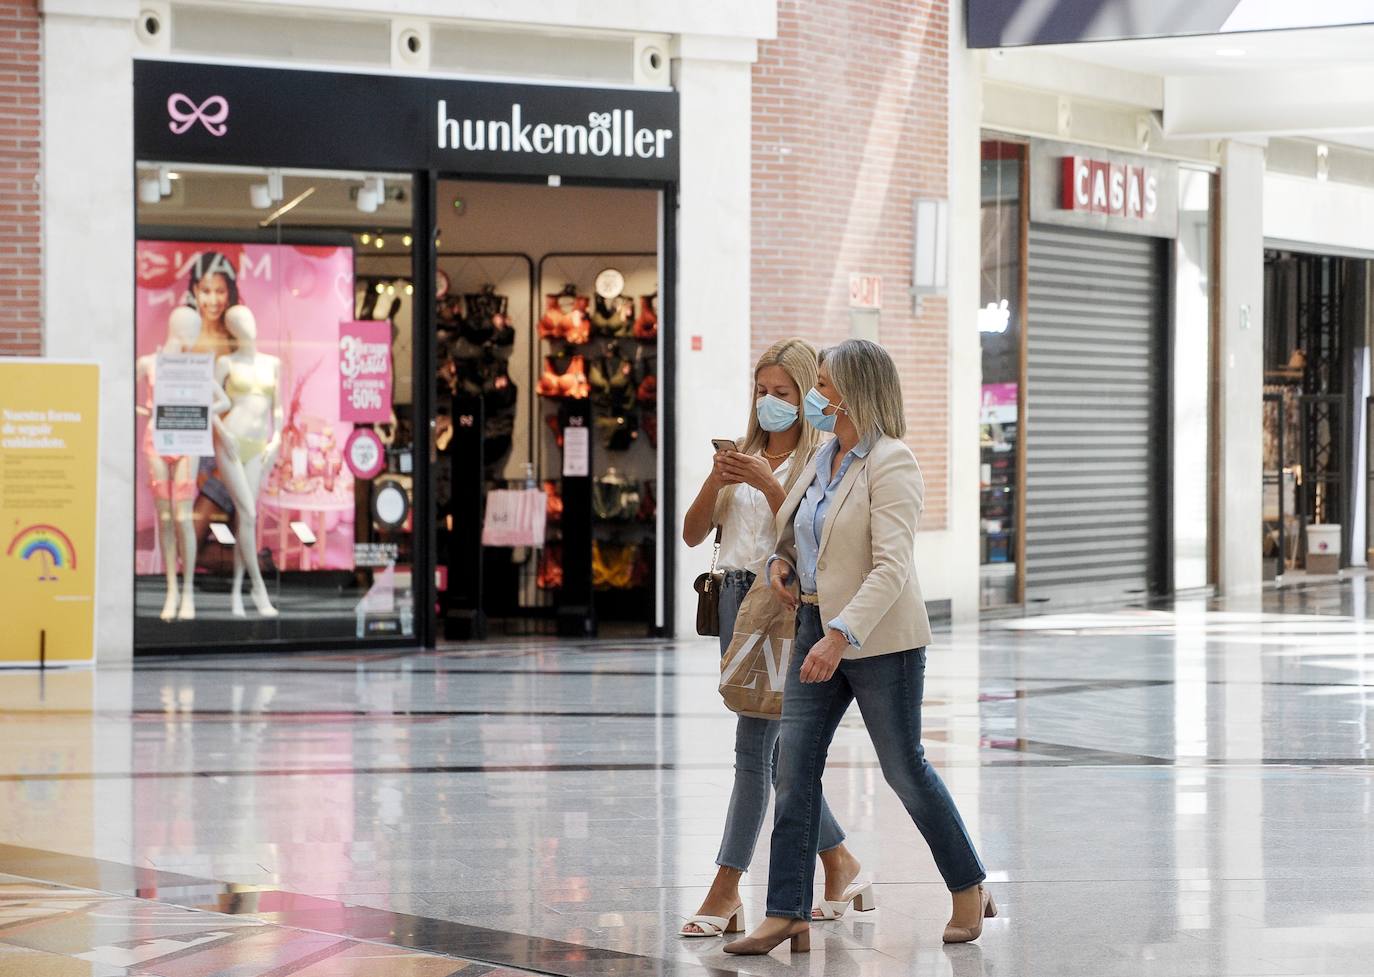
(865, 574)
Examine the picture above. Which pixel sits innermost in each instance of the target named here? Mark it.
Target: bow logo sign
(183, 113)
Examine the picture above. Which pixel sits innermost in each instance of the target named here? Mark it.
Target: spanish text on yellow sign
(49, 437)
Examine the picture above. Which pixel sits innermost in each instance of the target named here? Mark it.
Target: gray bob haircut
(866, 378)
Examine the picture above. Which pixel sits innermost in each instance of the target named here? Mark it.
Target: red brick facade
(850, 109)
(21, 305)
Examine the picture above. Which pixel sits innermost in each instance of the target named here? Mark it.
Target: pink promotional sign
(365, 371)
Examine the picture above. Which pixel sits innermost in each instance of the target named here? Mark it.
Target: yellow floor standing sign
(49, 460)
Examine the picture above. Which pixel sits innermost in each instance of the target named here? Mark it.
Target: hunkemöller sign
(233, 115)
(610, 133)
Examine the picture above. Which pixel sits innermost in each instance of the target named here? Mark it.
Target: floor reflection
(1182, 790)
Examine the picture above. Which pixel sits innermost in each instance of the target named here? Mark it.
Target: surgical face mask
(775, 414)
(815, 411)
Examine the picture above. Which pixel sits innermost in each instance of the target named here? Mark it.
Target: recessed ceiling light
(1230, 52)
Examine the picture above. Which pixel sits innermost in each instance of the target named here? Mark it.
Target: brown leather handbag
(708, 587)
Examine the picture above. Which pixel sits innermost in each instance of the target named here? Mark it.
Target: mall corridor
(1163, 792)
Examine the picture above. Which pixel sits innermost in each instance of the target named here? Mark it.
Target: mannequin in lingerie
(248, 449)
(173, 478)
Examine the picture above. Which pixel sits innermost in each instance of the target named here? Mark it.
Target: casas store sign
(1109, 188)
(1077, 186)
(201, 113)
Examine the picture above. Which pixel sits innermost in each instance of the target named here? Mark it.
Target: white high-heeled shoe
(712, 926)
(861, 896)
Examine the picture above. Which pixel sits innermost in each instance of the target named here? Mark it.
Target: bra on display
(571, 325)
(570, 383)
(613, 565)
(618, 431)
(550, 575)
(612, 381)
(615, 499)
(614, 318)
(646, 326)
(648, 504)
(553, 507)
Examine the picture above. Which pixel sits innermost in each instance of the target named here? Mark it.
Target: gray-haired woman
(847, 535)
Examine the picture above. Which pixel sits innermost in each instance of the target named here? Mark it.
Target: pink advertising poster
(298, 296)
(365, 371)
(999, 403)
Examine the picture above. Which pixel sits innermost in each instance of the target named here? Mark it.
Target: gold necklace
(778, 457)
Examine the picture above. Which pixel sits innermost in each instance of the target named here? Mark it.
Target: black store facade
(1081, 260)
(429, 324)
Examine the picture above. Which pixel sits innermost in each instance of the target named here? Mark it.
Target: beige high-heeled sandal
(967, 934)
(755, 947)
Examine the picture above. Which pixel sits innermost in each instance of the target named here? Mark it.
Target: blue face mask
(815, 411)
(775, 414)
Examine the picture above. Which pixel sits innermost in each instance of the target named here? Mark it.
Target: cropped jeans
(889, 690)
(756, 759)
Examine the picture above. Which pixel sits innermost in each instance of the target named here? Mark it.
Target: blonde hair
(868, 383)
(799, 361)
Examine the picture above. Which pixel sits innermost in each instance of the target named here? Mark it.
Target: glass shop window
(273, 407)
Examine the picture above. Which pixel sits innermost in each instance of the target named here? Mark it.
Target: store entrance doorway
(548, 459)
(1317, 384)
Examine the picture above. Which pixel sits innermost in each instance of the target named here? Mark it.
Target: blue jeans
(889, 690)
(756, 758)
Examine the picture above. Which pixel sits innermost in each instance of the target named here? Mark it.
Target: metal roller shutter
(1095, 354)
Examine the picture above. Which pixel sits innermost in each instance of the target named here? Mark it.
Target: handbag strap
(715, 556)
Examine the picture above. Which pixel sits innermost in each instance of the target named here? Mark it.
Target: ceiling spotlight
(391, 290)
(366, 238)
(380, 242)
(164, 181)
(380, 288)
(378, 186)
(148, 190)
(406, 239)
(410, 289)
(367, 200)
(260, 196)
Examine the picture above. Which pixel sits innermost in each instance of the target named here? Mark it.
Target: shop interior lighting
(303, 533)
(286, 208)
(260, 196)
(366, 238)
(406, 239)
(410, 289)
(930, 253)
(380, 242)
(222, 533)
(367, 200)
(380, 288)
(157, 187)
(1323, 161)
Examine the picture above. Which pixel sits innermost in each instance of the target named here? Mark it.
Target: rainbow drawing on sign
(48, 545)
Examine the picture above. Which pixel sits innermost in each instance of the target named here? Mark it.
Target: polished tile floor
(1187, 791)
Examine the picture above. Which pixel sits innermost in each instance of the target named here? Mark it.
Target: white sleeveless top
(746, 539)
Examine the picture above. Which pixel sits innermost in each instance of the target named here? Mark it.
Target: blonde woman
(847, 535)
(742, 495)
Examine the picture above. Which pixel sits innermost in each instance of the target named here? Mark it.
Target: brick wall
(20, 260)
(850, 109)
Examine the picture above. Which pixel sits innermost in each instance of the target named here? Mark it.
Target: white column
(962, 553)
(88, 249)
(1240, 347)
(713, 79)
